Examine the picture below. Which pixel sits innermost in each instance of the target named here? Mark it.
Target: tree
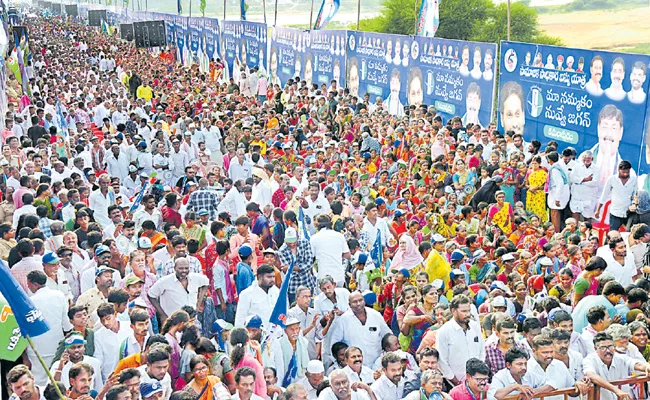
(477, 20)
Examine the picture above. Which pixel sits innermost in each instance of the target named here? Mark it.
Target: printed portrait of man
(617, 74)
(610, 133)
(596, 70)
(353, 76)
(472, 104)
(415, 92)
(636, 95)
(511, 107)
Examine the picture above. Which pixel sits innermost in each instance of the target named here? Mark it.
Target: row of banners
(589, 99)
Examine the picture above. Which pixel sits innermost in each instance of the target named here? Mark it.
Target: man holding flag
(378, 233)
(260, 299)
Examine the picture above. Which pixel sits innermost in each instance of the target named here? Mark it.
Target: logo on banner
(510, 60)
(352, 42)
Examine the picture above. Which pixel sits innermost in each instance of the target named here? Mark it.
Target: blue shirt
(580, 311)
(245, 276)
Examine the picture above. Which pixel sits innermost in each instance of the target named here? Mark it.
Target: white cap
(545, 261)
(315, 367)
(438, 238)
(498, 301)
(507, 257)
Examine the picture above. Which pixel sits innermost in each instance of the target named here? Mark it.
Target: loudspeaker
(71, 10)
(95, 17)
(126, 32)
(149, 34)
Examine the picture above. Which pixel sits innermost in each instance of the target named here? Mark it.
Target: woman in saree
(508, 183)
(588, 281)
(191, 230)
(501, 213)
(203, 385)
(535, 197)
(420, 317)
(464, 182)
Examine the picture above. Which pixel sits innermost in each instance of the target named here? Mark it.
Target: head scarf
(408, 258)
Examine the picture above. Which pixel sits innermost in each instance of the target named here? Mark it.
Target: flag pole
(415, 12)
(275, 22)
(264, 5)
(508, 20)
(311, 14)
(224, 9)
(47, 370)
(358, 13)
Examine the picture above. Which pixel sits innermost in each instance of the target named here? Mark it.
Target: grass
(601, 29)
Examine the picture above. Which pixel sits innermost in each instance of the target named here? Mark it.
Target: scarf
(298, 360)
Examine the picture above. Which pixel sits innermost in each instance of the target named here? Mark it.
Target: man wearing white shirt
(75, 346)
(362, 327)
(340, 389)
(374, 225)
(234, 202)
(570, 358)
(599, 320)
(245, 381)
(621, 262)
(584, 179)
(54, 307)
(459, 339)
(636, 95)
(620, 189)
(109, 338)
(553, 372)
(259, 298)
(390, 385)
(101, 199)
(330, 248)
(515, 379)
(182, 288)
(355, 370)
(240, 168)
(309, 321)
(558, 189)
(155, 370)
(315, 204)
(605, 365)
(330, 297)
(313, 378)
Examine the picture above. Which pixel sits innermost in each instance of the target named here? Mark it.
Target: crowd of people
(152, 212)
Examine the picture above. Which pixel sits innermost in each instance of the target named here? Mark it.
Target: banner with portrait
(325, 58)
(287, 53)
(455, 76)
(589, 99)
(245, 42)
(180, 31)
(377, 65)
(211, 37)
(195, 37)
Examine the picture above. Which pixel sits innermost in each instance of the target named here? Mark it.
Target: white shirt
(107, 347)
(620, 194)
(255, 301)
(584, 195)
(328, 247)
(556, 375)
(365, 376)
(623, 274)
(99, 204)
(456, 346)
(503, 379)
(240, 171)
(385, 389)
(97, 381)
(142, 215)
(558, 190)
(322, 304)
(173, 296)
(233, 202)
(348, 329)
(328, 394)
(166, 382)
(25, 209)
(621, 367)
(380, 226)
(117, 166)
(311, 391)
(54, 307)
(314, 335)
(316, 207)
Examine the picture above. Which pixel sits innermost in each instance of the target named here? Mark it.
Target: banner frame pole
(47, 370)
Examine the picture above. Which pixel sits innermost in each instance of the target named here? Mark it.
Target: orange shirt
(132, 361)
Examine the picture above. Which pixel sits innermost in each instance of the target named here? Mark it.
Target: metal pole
(190, 8)
(275, 22)
(508, 20)
(311, 14)
(264, 5)
(224, 9)
(358, 13)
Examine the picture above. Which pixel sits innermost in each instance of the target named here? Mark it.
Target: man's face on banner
(610, 133)
(596, 71)
(637, 78)
(617, 74)
(513, 116)
(473, 103)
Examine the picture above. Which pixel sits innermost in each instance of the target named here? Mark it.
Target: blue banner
(588, 99)
(195, 40)
(246, 42)
(211, 38)
(287, 54)
(377, 66)
(180, 30)
(455, 76)
(325, 58)
(170, 26)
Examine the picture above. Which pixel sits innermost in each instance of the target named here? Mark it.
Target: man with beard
(134, 343)
(362, 327)
(619, 189)
(390, 385)
(459, 339)
(615, 91)
(561, 352)
(258, 299)
(21, 382)
(605, 365)
(313, 378)
(80, 381)
(585, 182)
(495, 351)
(596, 69)
(553, 372)
(341, 389)
(179, 243)
(271, 349)
(155, 370)
(75, 347)
(233, 202)
(95, 292)
(636, 95)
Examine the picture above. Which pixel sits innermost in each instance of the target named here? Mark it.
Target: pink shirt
(460, 393)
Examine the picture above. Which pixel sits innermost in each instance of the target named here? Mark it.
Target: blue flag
(429, 18)
(377, 251)
(64, 124)
(29, 318)
(279, 314)
(292, 371)
(328, 10)
(179, 6)
(243, 5)
(303, 224)
(138, 199)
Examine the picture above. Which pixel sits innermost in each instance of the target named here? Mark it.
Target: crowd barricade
(637, 384)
